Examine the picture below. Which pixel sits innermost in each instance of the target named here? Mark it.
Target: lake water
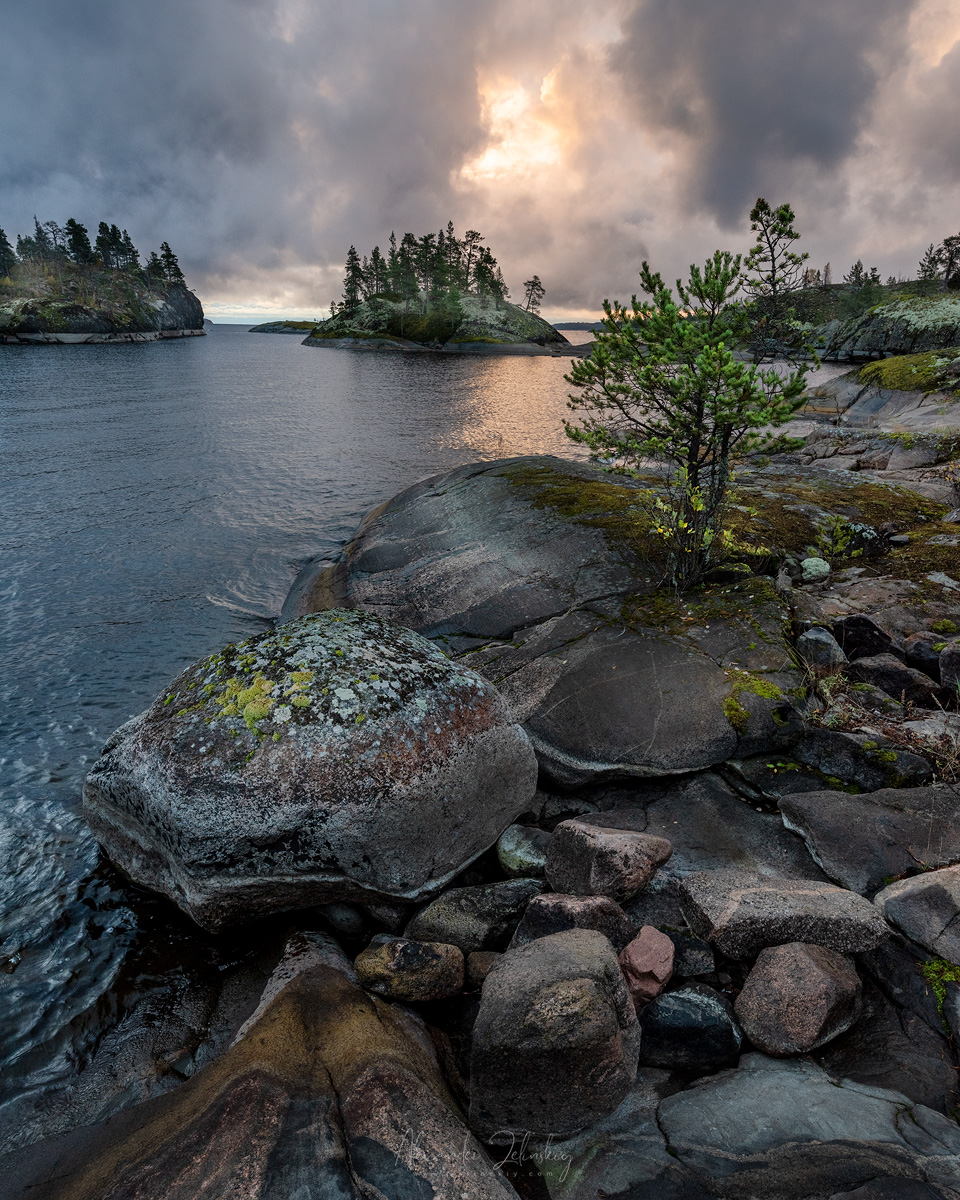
(158, 500)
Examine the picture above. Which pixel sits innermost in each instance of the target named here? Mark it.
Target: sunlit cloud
(522, 136)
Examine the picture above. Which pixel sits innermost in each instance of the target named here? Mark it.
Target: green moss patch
(936, 370)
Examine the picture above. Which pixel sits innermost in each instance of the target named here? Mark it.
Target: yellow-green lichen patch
(938, 973)
(928, 372)
(318, 672)
(618, 510)
(756, 685)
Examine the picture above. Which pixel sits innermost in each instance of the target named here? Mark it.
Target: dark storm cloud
(255, 130)
(262, 137)
(749, 91)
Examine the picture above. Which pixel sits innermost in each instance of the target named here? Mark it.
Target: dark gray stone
(900, 682)
(552, 913)
(950, 669)
(556, 1037)
(624, 1155)
(859, 636)
(870, 763)
(863, 842)
(692, 956)
(920, 654)
(691, 1029)
(889, 1047)
(740, 913)
(820, 650)
(927, 909)
(475, 918)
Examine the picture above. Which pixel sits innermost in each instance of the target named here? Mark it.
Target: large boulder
(336, 758)
(740, 913)
(555, 1042)
(782, 1129)
(863, 841)
(326, 1092)
(522, 567)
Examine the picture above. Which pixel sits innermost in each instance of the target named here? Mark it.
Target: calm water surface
(157, 502)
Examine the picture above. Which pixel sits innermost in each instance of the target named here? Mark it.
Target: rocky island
(432, 294)
(58, 288)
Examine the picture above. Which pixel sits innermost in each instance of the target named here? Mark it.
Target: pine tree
(171, 267)
(533, 293)
(856, 276)
(104, 244)
(378, 272)
(78, 242)
(950, 250)
(8, 256)
(681, 397)
(154, 267)
(129, 255)
(471, 245)
(41, 239)
(352, 279)
(393, 264)
(58, 239)
(772, 271)
(930, 265)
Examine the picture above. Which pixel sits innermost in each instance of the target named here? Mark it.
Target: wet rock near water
(489, 561)
(740, 914)
(336, 758)
(317, 1096)
(797, 998)
(556, 1038)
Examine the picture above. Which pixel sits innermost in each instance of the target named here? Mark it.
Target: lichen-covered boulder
(336, 758)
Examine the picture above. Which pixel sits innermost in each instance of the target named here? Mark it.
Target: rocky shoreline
(579, 889)
(47, 338)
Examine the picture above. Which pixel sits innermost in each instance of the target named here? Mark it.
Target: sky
(262, 137)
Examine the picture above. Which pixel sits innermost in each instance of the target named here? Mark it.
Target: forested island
(436, 292)
(57, 286)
